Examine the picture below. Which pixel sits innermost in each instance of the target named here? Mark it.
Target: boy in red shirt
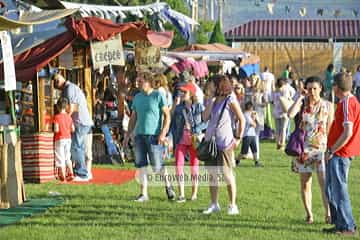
(343, 145)
(63, 127)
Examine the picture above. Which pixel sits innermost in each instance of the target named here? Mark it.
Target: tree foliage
(217, 36)
(202, 33)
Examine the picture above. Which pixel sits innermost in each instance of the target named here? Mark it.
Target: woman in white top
(258, 100)
(280, 113)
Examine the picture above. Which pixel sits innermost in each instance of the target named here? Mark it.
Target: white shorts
(317, 160)
(62, 153)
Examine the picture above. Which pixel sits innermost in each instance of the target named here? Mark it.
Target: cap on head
(188, 87)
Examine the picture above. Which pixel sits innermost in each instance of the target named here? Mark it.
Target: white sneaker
(90, 176)
(80, 179)
(233, 210)
(212, 209)
(142, 198)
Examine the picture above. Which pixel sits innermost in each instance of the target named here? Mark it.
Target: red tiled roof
(296, 29)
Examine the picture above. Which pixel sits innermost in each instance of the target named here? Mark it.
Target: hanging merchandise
(302, 12)
(337, 13)
(320, 12)
(270, 8)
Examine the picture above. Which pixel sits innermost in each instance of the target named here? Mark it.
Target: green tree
(203, 30)
(217, 36)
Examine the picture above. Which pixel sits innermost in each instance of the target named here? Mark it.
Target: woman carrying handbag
(316, 118)
(221, 107)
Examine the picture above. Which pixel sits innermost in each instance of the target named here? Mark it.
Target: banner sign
(8, 57)
(147, 55)
(337, 55)
(107, 52)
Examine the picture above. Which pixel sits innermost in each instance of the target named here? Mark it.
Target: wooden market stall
(12, 190)
(35, 67)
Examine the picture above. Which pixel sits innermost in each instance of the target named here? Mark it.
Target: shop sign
(146, 55)
(107, 52)
(8, 57)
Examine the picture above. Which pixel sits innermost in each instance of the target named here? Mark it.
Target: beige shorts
(225, 158)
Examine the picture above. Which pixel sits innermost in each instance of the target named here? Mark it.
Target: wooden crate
(38, 157)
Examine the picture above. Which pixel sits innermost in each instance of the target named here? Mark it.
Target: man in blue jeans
(343, 139)
(150, 119)
(82, 120)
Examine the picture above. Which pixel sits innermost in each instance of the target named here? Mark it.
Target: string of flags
(303, 11)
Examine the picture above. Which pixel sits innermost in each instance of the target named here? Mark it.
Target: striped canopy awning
(296, 29)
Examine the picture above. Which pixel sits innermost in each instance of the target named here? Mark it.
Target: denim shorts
(147, 150)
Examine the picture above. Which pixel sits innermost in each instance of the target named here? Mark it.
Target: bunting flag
(355, 12)
(287, 9)
(320, 12)
(180, 23)
(270, 8)
(302, 12)
(337, 13)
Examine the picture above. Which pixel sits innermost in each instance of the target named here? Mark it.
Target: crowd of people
(236, 111)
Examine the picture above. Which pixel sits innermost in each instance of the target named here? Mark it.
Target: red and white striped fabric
(38, 157)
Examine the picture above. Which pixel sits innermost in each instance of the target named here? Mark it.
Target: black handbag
(207, 149)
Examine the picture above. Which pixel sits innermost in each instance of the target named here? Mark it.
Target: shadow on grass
(116, 222)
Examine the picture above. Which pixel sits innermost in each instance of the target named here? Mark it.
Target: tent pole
(302, 57)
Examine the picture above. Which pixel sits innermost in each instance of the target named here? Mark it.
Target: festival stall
(12, 191)
(35, 65)
(196, 55)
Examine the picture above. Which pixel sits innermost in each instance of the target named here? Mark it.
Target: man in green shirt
(287, 71)
(150, 119)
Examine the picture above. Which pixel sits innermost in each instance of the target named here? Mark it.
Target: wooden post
(302, 58)
(291, 60)
(36, 100)
(274, 57)
(52, 100)
(88, 89)
(42, 105)
(120, 82)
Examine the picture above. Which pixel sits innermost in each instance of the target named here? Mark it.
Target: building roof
(296, 29)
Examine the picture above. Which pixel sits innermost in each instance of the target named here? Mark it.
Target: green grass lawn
(269, 201)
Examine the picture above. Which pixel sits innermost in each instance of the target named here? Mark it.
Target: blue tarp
(251, 68)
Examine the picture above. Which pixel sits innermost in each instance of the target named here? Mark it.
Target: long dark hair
(330, 67)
